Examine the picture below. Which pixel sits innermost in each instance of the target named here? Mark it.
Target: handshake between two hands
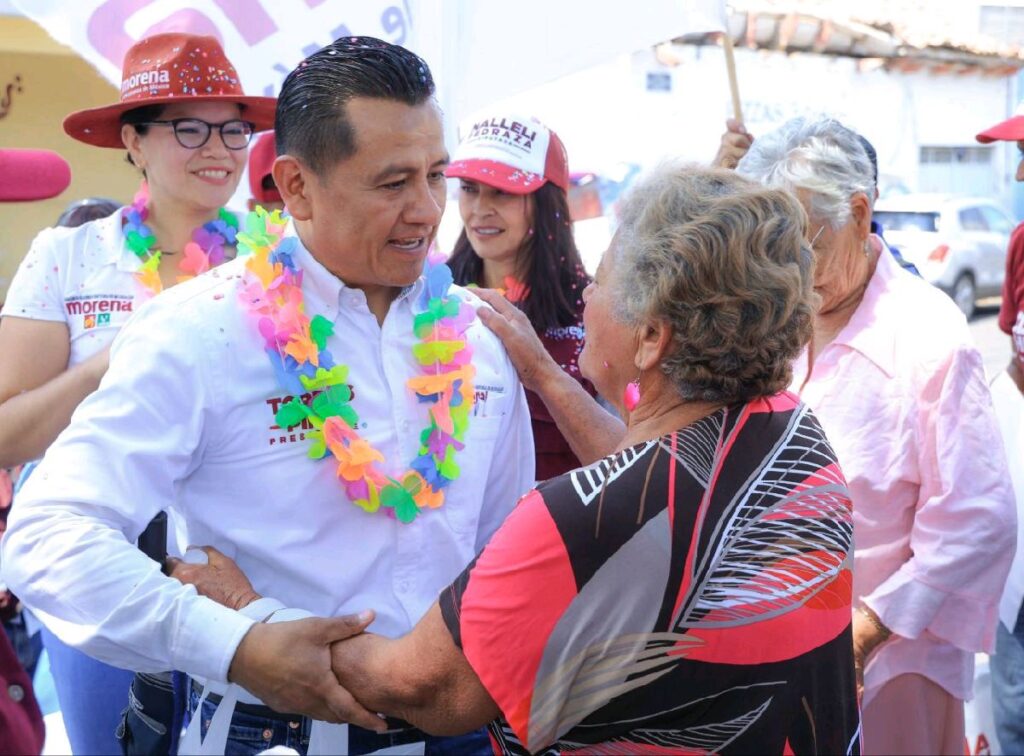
(287, 665)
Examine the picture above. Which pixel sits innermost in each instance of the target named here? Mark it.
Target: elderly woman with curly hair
(691, 591)
(900, 390)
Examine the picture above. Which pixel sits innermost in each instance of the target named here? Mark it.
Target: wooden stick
(730, 65)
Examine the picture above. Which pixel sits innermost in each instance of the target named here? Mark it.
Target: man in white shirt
(185, 420)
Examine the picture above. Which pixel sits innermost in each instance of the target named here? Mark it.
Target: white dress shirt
(184, 420)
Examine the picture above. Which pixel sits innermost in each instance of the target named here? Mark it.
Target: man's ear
(653, 345)
(293, 181)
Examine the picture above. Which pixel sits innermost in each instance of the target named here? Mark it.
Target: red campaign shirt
(1011, 313)
(553, 454)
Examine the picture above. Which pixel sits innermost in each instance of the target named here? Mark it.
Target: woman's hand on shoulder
(531, 360)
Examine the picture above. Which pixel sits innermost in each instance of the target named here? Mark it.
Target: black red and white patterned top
(691, 594)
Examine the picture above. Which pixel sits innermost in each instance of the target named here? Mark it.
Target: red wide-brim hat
(164, 69)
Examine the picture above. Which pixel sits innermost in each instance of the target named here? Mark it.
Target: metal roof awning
(816, 27)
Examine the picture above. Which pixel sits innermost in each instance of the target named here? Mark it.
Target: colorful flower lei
(205, 251)
(297, 348)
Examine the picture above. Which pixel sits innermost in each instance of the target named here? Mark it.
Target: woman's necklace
(297, 348)
(205, 251)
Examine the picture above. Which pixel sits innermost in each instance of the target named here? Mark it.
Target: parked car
(958, 243)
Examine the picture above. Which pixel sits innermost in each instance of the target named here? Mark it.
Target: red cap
(515, 154)
(1010, 130)
(262, 155)
(167, 68)
(27, 175)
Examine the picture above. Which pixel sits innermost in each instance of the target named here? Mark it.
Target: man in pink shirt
(900, 390)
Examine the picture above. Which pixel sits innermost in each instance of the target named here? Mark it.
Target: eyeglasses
(193, 133)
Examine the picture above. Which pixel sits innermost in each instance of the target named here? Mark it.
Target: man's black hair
(311, 123)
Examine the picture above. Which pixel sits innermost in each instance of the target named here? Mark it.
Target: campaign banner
(264, 40)
(479, 51)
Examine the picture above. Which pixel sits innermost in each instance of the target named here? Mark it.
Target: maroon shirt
(21, 723)
(1011, 314)
(553, 454)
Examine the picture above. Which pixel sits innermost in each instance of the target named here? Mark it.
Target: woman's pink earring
(631, 396)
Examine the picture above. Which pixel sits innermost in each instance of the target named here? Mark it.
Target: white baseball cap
(513, 153)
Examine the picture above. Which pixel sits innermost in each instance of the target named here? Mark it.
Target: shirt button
(17, 693)
(268, 734)
(294, 725)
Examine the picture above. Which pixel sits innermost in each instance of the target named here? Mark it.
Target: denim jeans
(249, 734)
(155, 715)
(92, 696)
(1007, 669)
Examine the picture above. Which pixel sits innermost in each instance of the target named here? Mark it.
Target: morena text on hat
(146, 79)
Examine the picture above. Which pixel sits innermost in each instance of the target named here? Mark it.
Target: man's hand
(287, 665)
(524, 347)
(218, 579)
(735, 144)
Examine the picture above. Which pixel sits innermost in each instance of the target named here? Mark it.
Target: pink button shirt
(901, 394)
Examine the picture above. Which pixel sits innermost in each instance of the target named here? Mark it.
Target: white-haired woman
(900, 390)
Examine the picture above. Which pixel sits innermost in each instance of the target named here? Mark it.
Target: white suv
(958, 243)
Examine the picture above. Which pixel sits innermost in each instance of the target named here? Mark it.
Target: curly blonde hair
(726, 263)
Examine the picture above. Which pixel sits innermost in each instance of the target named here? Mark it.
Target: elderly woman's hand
(868, 634)
(735, 144)
(219, 579)
(524, 347)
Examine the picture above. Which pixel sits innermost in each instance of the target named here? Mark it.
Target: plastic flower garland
(205, 251)
(297, 348)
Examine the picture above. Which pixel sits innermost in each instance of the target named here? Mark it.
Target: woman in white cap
(517, 237)
(186, 124)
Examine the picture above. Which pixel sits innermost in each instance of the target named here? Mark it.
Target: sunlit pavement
(993, 344)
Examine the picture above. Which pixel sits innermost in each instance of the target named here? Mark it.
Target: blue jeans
(92, 696)
(1007, 669)
(249, 734)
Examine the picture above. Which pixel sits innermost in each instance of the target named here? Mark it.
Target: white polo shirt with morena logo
(84, 277)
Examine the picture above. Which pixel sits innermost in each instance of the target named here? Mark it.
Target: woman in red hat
(186, 125)
(517, 236)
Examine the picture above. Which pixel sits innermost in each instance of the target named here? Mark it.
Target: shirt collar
(328, 291)
(121, 254)
(871, 330)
